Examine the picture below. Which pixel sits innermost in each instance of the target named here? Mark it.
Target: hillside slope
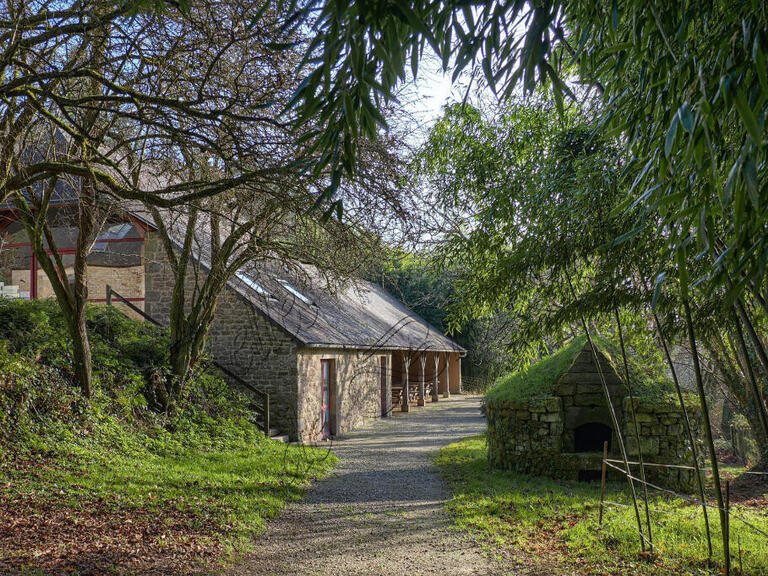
(113, 484)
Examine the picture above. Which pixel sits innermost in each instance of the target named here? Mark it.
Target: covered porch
(419, 376)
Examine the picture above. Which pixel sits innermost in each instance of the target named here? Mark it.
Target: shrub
(41, 404)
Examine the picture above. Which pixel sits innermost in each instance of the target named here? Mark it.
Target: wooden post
(727, 532)
(435, 379)
(109, 295)
(266, 415)
(447, 393)
(405, 404)
(602, 480)
(423, 359)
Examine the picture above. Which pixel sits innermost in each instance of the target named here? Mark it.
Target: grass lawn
(551, 527)
(174, 511)
(116, 484)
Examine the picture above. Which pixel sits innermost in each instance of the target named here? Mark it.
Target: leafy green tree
(428, 288)
(683, 85)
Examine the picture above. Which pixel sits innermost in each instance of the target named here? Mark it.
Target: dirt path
(381, 512)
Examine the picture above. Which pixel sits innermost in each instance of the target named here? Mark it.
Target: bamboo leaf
(750, 178)
(686, 117)
(747, 116)
(671, 133)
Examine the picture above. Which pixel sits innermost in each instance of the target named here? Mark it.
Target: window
(287, 285)
(251, 283)
(116, 232)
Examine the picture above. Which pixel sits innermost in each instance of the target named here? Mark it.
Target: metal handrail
(263, 394)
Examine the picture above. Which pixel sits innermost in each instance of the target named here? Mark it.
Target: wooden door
(326, 414)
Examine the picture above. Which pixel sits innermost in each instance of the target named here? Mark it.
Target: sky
(424, 98)
(435, 89)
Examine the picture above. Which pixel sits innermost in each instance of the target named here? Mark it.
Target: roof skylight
(252, 284)
(287, 285)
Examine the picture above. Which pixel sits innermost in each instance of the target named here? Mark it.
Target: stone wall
(241, 339)
(127, 280)
(584, 401)
(525, 436)
(532, 437)
(663, 439)
(357, 384)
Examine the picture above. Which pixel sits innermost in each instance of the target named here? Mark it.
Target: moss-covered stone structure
(553, 419)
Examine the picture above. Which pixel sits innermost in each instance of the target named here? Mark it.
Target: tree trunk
(181, 362)
(81, 353)
(86, 230)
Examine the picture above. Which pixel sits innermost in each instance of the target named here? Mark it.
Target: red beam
(72, 249)
(121, 298)
(33, 277)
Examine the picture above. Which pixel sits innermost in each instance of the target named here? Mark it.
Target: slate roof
(359, 315)
(321, 312)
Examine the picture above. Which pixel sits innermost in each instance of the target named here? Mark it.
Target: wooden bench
(413, 392)
(397, 395)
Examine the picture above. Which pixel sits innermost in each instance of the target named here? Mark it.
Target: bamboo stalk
(686, 420)
(752, 379)
(688, 430)
(602, 481)
(704, 409)
(637, 429)
(758, 346)
(727, 542)
(614, 418)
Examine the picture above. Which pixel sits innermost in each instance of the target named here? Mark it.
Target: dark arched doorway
(590, 437)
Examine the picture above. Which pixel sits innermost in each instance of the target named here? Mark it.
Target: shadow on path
(382, 511)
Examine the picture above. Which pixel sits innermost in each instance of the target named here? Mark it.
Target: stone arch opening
(590, 436)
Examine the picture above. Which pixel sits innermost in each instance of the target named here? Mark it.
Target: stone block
(649, 445)
(588, 400)
(587, 388)
(565, 389)
(644, 417)
(553, 404)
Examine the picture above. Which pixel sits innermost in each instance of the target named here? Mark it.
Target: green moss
(538, 380)
(648, 380)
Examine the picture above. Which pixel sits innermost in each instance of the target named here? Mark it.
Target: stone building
(328, 360)
(559, 428)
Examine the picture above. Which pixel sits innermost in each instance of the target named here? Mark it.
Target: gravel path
(381, 512)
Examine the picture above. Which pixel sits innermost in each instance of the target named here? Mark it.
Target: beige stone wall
(21, 279)
(357, 389)
(128, 281)
(241, 338)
